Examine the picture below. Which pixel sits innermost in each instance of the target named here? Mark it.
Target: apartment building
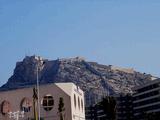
(146, 100)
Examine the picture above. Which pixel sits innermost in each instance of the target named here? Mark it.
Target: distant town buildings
(64, 100)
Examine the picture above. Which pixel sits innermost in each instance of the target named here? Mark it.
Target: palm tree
(35, 98)
(108, 104)
(61, 109)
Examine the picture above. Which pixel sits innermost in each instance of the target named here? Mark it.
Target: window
(75, 101)
(6, 107)
(78, 103)
(26, 104)
(48, 102)
(82, 104)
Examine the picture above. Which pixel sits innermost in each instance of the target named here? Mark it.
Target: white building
(22, 100)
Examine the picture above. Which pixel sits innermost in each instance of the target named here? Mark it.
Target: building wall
(14, 97)
(77, 106)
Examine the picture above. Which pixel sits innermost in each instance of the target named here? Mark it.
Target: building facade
(146, 100)
(64, 100)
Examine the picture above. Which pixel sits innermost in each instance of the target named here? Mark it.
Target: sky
(123, 33)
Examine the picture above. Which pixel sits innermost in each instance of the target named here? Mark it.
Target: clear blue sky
(125, 33)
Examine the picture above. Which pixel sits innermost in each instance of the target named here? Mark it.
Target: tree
(61, 109)
(108, 104)
(35, 98)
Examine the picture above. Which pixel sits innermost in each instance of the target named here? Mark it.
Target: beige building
(16, 102)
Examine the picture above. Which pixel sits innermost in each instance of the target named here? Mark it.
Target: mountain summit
(95, 79)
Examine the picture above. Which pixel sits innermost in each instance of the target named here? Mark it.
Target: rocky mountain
(95, 79)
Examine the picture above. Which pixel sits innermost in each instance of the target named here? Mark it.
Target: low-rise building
(56, 100)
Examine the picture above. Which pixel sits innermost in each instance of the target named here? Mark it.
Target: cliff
(95, 79)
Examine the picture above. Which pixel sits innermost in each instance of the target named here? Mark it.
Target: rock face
(95, 79)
